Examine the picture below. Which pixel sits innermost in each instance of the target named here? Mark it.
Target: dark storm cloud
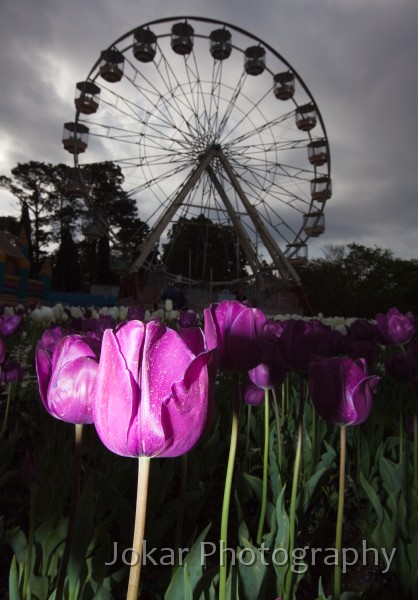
(357, 58)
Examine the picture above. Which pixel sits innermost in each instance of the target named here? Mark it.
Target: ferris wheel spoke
(280, 194)
(179, 103)
(160, 124)
(162, 99)
(200, 110)
(274, 171)
(215, 91)
(275, 125)
(231, 105)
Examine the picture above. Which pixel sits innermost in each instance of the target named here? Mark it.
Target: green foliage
(50, 213)
(67, 279)
(381, 506)
(208, 250)
(360, 282)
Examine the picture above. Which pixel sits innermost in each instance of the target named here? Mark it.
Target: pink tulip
(341, 389)
(396, 328)
(66, 376)
(153, 389)
(239, 333)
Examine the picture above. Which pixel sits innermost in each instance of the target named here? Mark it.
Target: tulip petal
(116, 397)
(184, 414)
(194, 338)
(43, 360)
(129, 337)
(165, 360)
(245, 340)
(253, 394)
(70, 393)
(341, 390)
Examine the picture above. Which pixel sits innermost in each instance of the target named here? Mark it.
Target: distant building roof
(9, 248)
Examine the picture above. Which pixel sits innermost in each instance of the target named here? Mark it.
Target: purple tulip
(187, 318)
(301, 340)
(66, 377)
(3, 352)
(10, 371)
(50, 338)
(10, 324)
(361, 329)
(272, 371)
(239, 333)
(43, 356)
(88, 324)
(105, 322)
(341, 390)
(136, 313)
(275, 328)
(358, 348)
(403, 365)
(153, 389)
(397, 366)
(395, 327)
(252, 394)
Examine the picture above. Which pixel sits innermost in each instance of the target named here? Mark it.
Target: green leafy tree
(11, 226)
(360, 282)
(40, 189)
(205, 249)
(103, 273)
(66, 273)
(114, 209)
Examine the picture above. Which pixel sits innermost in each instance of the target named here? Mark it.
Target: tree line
(75, 234)
(352, 280)
(359, 281)
(55, 215)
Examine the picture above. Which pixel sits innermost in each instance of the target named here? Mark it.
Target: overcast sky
(358, 58)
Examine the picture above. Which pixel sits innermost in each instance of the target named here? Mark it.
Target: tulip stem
(313, 442)
(144, 463)
(246, 460)
(73, 510)
(265, 466)
(227, 493)
(401, 436)
(289, 581)
(415, 463)
(180, 514)
(28, 564)
(6, 414)
(279, 433)
(340, 513)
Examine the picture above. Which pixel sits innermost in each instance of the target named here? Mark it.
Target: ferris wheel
(205, 118)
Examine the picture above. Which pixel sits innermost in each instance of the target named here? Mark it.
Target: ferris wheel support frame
(145, 248)
(242, 236)
(279, 260)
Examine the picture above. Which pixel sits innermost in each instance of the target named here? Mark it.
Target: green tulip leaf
(373, 497)
(83, 533)
(255, 483)
(415, 586)
(14, 581)
(18, 542)
(187, 575)
(39, 586)
(253, 574)
(392, 474)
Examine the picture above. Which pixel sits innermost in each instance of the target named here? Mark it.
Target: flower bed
(276, 456)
